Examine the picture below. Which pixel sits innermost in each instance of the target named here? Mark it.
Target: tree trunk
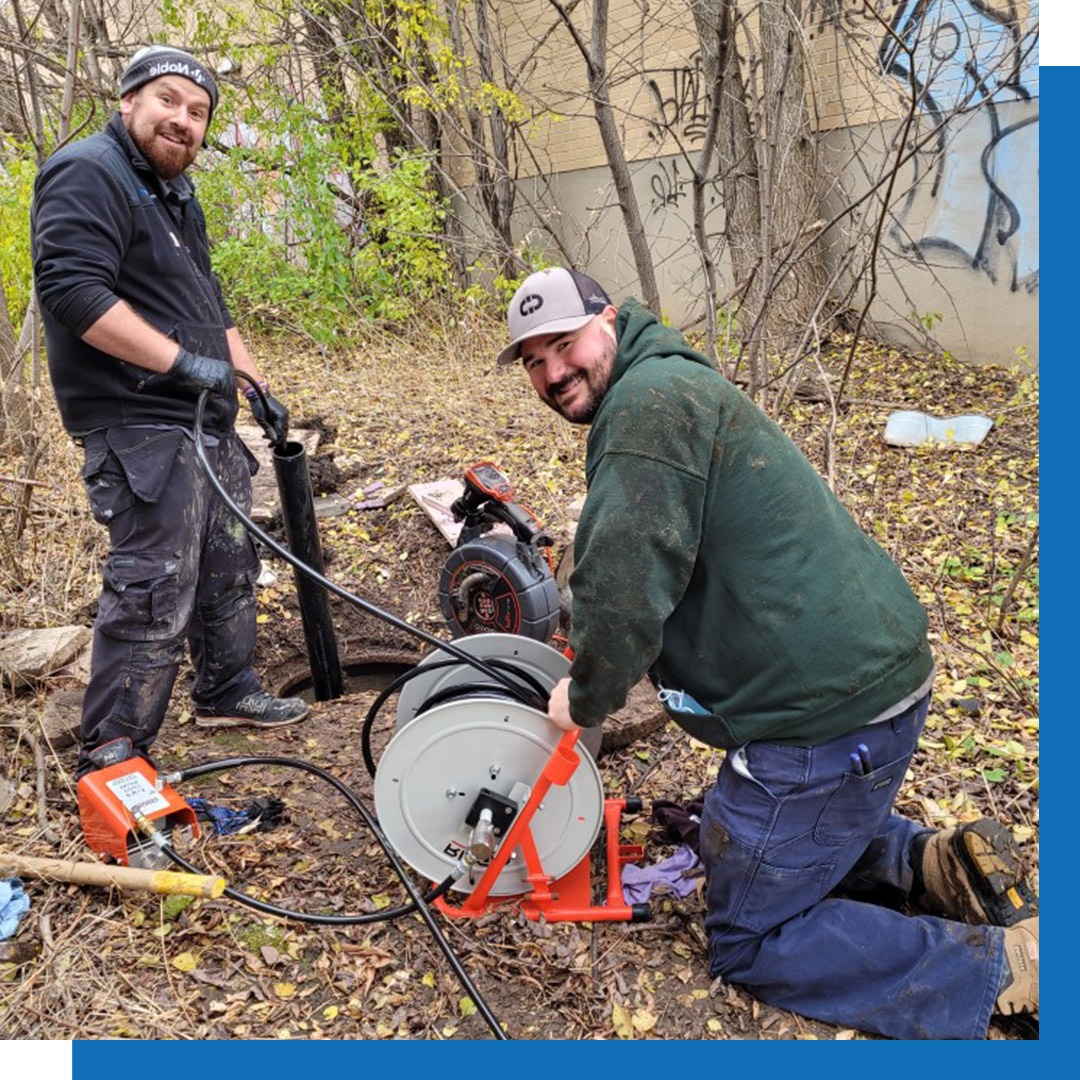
(788, 167)
(595, 55)
(766, 157)
(491, 167)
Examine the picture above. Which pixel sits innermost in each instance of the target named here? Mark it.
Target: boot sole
(244, 721)
(989, 853)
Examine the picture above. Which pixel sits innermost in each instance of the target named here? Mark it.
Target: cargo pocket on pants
(147, 458)
(140, 598)
(106, 483)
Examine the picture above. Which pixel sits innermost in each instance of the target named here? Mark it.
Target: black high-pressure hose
(448, 693)
(419, 903)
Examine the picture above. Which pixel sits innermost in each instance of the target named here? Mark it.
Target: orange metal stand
(568, 898)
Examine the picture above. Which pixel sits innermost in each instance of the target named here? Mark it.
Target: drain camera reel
(492, 582)
(454, 779)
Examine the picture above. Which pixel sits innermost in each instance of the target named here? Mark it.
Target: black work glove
(192, 372)
(272, 417)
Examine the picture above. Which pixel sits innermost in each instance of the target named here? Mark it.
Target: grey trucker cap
(551, 302)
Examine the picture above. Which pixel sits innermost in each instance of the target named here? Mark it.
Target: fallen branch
(22, 480)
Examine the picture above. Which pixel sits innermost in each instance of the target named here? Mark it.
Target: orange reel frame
(568, 898)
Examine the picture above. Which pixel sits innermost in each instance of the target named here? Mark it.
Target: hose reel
(487, 786)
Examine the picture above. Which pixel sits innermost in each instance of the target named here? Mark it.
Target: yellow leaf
(185, 962)
(262, 617)
(714, 1025)
(1029, 638)
(284, 990)
(699, 995)
(643, 1020)
(429, 980)
(620, 1020)
(380, 900)
(466, 1006)
(330, 1012)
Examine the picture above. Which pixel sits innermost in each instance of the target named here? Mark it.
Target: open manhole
(360, 674)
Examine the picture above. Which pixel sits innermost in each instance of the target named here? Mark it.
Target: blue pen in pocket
(864, 759)
(856, 763)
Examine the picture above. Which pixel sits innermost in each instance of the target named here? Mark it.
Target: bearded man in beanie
(712, 557)
(136, 328)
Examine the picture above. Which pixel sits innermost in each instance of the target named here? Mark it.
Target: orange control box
(109, 799)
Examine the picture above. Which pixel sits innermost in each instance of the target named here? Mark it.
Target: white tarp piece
(909, 428)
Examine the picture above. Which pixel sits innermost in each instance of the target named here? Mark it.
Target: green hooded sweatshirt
(713, 557)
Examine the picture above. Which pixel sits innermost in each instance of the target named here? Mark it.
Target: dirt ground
(92, 964)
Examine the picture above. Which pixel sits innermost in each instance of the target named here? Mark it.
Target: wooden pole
(130, 878)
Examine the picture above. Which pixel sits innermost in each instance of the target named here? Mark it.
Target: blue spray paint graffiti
(965, 59)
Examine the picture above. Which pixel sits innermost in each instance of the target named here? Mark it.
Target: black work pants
(180, 567)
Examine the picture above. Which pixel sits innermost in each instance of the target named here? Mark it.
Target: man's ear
(607, 319)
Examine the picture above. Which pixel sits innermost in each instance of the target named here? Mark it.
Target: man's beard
(596, 379)
(168, 160)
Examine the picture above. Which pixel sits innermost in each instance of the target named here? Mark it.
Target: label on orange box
(137, 793)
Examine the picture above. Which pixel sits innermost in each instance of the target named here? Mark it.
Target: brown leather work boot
(1021, 993)
(974, 874)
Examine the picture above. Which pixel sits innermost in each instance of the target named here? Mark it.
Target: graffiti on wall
(965, 59)
(681, 101)
(681, 111)
(974, 198)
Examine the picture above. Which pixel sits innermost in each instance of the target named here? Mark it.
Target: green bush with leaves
(310, 232)
(17, 171)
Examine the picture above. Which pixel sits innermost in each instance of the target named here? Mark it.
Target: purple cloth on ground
(677, 872)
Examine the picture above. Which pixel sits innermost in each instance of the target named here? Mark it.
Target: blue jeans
(806, 865)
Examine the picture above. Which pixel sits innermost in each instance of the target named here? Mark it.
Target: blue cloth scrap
(679, 873)
(14, 904)
(261, 815)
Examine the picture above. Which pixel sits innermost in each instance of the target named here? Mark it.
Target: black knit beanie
(157, 60)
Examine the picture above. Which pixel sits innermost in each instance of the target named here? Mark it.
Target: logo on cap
(530, 303)
(176, 67)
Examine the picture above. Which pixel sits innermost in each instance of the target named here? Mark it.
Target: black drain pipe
(302, 535)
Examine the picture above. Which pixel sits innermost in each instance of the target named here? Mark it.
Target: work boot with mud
(256, 710)
(973, 874)
(1020, 995)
